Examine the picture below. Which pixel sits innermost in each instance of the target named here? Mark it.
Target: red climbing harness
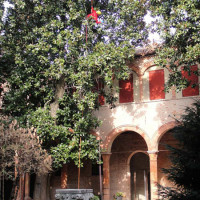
(94, 15)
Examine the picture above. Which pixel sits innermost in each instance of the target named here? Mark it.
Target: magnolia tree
(56, 62)
(177, 23)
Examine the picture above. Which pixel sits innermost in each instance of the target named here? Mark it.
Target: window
(156, 84)
(193, 79)
(126, 90)
(99, 87)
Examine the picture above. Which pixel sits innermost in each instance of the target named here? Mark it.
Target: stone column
(153, 155)
(141, 88)
(173, 92)
(106, 176)
(64, 177)
(27, 187)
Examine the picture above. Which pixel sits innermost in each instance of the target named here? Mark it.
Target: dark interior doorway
(140, 177)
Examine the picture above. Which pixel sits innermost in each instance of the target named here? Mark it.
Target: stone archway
(107, 143)
(123, 146)
(160, 132)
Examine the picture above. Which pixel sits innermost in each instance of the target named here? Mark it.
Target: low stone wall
(74, 194)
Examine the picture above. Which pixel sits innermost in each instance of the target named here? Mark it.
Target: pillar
(64, 177)
(106, 176)
(153, 155)
(141, 88)
(174, 92)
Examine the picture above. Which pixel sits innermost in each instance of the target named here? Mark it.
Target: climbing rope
(91, 5)
(86, 24)
(93, 15)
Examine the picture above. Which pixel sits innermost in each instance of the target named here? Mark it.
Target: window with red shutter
(193, 78)
(156, 84)
(126, 90)
(99, 87)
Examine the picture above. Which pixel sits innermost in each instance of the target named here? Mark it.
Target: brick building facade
(134, 135)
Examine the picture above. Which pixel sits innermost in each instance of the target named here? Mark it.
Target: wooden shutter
(156, 84)
(126, 90)
(99, 87)
(193, 78)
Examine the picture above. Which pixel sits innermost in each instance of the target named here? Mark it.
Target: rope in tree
(93, 15)
(79, 165)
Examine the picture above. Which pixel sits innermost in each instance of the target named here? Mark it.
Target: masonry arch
(136, 69)
(147, 67)
(107, 143)
(132, 154)
(125, 145)
(161, 131)
(136, 65)
(97, 135)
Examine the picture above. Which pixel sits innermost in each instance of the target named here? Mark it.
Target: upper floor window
(156, 84)
(193, 79)
(126, 90)
(99, 88)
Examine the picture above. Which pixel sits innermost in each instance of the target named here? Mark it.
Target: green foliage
(119, 194)
(95, 198)
(178, 25)
(43, 43)
(185, 170)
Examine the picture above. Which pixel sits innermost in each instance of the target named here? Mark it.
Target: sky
(153, 37)
(6, 5)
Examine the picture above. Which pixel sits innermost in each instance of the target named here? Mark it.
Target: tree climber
(94, 15)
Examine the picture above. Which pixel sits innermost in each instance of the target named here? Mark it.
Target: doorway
(122, 150)
(140, 177)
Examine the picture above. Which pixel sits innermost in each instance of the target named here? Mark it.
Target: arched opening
(163, 157)
(123, 148)
(140, 177)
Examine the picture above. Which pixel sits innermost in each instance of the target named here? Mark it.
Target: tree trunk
(15, 189)
(42, 183)
(60, 90)
(22, 187)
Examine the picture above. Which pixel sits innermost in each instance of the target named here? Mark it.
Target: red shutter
(126, 90)
(193, 78)
(156, 84)
(101, 98)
